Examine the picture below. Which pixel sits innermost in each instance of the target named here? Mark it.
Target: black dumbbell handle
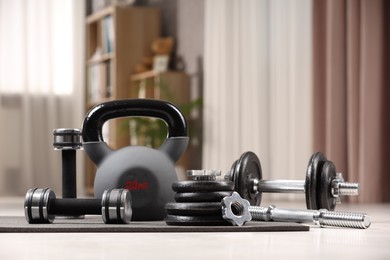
(69, 174)
(71, 207)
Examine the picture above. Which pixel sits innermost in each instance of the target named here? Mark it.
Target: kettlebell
(148, 173)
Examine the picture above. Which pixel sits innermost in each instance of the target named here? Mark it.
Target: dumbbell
(68, 140)
(237, 211)
(41, 206)
(322, 187)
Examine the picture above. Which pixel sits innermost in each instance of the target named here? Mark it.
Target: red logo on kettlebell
(135, 185)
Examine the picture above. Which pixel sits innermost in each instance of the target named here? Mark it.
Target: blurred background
(280, 78)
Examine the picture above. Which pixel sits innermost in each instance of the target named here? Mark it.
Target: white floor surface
(318, 243)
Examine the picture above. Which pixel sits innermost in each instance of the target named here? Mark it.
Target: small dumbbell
(68, 140)
(322, 187)
(41, 206)
(238, 211)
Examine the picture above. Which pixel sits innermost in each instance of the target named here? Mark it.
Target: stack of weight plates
(198, 203)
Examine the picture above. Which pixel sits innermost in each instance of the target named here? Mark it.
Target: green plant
(152, 131)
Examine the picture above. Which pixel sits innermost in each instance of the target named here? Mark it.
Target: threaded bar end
(344, 219)
(258, 213)
(348, 189)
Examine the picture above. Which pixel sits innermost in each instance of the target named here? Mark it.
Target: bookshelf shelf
(103, 58)
(109, 10)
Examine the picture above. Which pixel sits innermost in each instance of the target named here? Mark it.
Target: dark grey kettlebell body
(146, 172)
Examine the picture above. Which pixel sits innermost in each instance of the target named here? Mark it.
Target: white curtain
(257, 94)
(41, 88)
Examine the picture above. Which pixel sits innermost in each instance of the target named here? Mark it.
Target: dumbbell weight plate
(174, 220)
(313, 180)
(116, 206)
(231, 173)
(244, 171)
(326, 199)
(194, 209)
(36, 206)
(212, 196)
(202, 186)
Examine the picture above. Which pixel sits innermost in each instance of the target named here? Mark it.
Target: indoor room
(204, 129)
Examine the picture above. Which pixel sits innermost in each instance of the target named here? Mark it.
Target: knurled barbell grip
(75, 207)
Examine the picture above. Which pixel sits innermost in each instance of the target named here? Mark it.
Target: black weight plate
(174, 220)
(326, 199)
(200, 186)
(212, 196)
(247, 168)
(194, 209)
(313, 173)
(231, 173)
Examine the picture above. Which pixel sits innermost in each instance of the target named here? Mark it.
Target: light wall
(257, 94)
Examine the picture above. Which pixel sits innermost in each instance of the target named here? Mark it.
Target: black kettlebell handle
(97, 116)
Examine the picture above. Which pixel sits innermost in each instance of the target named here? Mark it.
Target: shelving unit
(117, 39)
(172, 86)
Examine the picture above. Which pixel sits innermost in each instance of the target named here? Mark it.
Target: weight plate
(200, 186)
(37, 206)
(313, 173)
(326, 199)
(212, 196)
(246, 170)
(173, 220)
(194, 209)
(116, 206)
(231, 174)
